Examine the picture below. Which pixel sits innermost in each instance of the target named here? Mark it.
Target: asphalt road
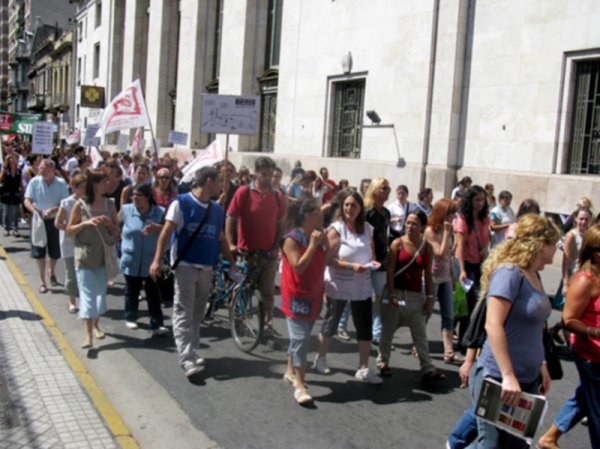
(242, 401)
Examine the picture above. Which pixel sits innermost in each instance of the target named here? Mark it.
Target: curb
(110, 415)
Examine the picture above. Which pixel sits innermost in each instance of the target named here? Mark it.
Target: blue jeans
(589, 375)
(299, 332)
(10, 217)
(378, 281)
(490, 436)
(343, 324)
(465, 431)
(443, 293)
(571, 412)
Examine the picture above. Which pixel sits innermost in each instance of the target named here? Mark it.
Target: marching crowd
(356, 252)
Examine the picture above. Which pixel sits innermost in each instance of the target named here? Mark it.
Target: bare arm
(230, 225)
(497, 312)
(391, 265)
(428, 306)
(125, 195)
(460, 242)
(225, 251)
(163, 240)
(298, 261)
(60, 221)
(582, 289)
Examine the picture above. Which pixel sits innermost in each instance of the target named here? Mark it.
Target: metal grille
(347, 119)
(584, 150)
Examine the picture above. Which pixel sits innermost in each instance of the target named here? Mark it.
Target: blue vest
(206, 245)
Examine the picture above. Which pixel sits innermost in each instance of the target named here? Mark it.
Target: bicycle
(246, 312)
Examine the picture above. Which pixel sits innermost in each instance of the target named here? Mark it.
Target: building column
(161, 71)
(114, 16)
(135, 42)
(445, 133)
(243, 49)
(194, 68)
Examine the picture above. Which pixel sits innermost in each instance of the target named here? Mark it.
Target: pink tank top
(586, 347)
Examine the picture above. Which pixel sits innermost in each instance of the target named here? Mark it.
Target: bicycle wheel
(246, 318)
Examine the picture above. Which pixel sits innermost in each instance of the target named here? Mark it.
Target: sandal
(302, 397)
(87, 344)
(99, 334)
(73, 308)
(290, 379)
(453, 359)
(43, 288)
(53, 281)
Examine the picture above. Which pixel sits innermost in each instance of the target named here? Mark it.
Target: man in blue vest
(194, 261)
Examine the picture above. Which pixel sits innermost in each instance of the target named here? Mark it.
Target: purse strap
(414, 257)
(190, 241)
(88, 211)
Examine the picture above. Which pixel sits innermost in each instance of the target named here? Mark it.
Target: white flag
(137, 140)
(126, 110)
(208, 156)
(95, 156)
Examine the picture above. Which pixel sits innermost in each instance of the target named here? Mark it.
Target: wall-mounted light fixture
(376, 123)
(347, 63)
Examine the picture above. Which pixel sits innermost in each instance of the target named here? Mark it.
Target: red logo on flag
(5, 122)
(127, 105)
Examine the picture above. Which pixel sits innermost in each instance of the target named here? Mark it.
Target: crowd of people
(354, 251)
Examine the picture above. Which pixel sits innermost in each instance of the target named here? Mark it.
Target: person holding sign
(42, 198)
(517, 309)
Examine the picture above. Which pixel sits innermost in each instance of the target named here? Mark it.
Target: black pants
(474, 274)
(133, 286)
(361, 316)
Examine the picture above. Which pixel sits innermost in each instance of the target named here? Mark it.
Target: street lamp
(376, 123)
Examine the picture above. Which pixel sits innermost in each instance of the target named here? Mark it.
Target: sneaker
(199, 361)
(160, 331)
(320, 365)
(73, 308)
(366, 375)
(131, 325)
(343, 335)
(6, 233)
(193, 369)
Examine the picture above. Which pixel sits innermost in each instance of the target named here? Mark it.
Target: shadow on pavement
(22, 314)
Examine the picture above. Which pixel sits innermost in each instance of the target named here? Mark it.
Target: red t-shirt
(257, 213)
(302, 294)
(329, 195)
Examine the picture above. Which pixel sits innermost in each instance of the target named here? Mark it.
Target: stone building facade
(506, 92)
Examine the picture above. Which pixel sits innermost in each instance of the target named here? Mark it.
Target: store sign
(18, 123)
(92, 97)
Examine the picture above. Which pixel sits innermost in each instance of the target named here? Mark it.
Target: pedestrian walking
(42, 198)
(198, 224)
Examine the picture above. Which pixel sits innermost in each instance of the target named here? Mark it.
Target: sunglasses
(164, 177)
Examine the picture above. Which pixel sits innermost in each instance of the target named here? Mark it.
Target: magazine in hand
(522, 420)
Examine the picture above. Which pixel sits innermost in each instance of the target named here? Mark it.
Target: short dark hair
(264, 162)
(146, 190)
(203, 174)
(403, 188)
(505, 195)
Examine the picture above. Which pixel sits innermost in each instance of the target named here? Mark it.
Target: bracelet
(544, 363)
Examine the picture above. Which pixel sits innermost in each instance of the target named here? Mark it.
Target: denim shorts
(299, 332)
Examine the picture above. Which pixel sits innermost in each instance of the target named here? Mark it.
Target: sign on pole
(92, 97)
(90, 132)
(122, 142)
(229, 114)
(178, 137)
(42, 137)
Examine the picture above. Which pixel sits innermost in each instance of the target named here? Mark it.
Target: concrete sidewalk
(43, 402)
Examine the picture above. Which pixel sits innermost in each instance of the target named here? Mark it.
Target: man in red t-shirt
(258, 211)
(325, 177)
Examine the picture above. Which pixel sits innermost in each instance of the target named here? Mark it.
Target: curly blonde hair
(532, 233)
(370, 193)
(590, 245)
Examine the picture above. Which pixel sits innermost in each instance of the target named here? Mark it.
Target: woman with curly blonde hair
(517, 308)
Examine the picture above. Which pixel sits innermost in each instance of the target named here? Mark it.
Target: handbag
(551, 355)
(475, 334)
(38, 231)
(111, 258)
(461, 308)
